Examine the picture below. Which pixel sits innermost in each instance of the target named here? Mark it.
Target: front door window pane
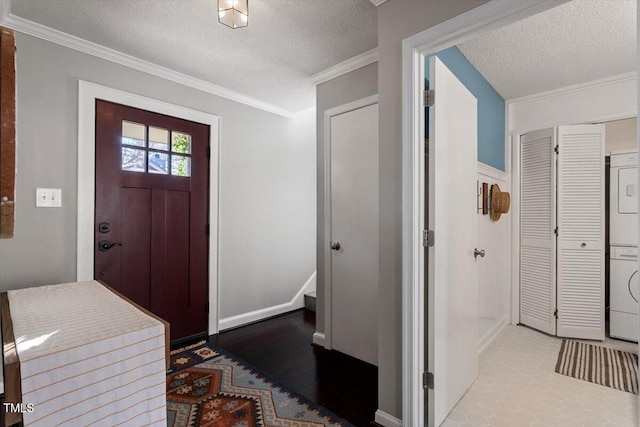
(133, 160)
(158, 138)
(180, 142)
(180, 165)
(158, 162)
(133, 134)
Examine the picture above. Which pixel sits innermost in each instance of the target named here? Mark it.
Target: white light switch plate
(48, 197)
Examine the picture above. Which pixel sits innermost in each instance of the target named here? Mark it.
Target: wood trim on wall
(11, 363)
(7, 132)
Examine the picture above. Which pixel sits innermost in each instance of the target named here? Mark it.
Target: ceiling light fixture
(233, 13)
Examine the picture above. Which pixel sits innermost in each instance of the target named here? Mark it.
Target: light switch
(48, 197)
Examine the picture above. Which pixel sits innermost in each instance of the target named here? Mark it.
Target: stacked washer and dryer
(623, 241)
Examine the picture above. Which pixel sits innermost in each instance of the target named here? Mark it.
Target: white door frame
(487, 17)
(87, 95)
(514, 143)
(355, 105)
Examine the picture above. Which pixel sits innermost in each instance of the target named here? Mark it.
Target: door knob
(106, 245)
(335, 246)
(477, 253)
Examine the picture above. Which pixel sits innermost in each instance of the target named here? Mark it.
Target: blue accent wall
(491, 106)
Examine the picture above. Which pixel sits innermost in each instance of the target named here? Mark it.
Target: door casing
(485, 18)
(87, 95)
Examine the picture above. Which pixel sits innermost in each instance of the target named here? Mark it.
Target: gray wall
(267, 191)
(344, 89)
(397, 20)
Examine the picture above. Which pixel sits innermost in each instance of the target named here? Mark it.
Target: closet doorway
(562, 244)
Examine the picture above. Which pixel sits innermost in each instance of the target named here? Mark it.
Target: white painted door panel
(581, 231)
(537, 225)
(452, 273)
(354, 224)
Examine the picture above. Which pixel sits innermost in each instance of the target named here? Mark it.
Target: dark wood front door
(151, 231)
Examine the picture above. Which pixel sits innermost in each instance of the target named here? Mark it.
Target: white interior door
(452, 274)
(581, 231)
(537, 230)
(354, 226)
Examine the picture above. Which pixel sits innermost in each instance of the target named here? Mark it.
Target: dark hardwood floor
(281, 348)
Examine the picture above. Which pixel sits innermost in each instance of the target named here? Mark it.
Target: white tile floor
(518, 387)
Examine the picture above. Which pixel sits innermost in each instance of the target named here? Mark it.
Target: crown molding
(345, 67)
(378, 2)
(632, 75)
(34, 29)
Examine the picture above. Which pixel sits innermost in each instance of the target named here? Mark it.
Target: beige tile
(517, 387)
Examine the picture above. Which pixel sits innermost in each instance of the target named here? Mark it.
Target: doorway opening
(420, 326)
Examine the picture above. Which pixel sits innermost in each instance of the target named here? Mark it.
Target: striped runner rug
(600, 365)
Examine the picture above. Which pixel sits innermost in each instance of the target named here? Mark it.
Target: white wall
(621, 135)
(602, 100)
(267, 180)
(268, 224)
(493, 270)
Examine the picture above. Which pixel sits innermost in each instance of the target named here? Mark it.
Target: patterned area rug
(600, 365)
(208, 387)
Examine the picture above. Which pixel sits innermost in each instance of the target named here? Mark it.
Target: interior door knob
(477, 253)
(335, 246)
(106, 245)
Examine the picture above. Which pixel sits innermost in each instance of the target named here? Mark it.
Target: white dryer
(623, 210)
(624, 293)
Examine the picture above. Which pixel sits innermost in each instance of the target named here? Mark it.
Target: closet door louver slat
(538, 222)
(581, 232)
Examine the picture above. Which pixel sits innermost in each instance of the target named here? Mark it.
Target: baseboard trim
(387, 420)
(296, 302)
(319, 339)
(489, 336)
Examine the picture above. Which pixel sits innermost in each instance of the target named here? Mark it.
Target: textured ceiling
(575, 42)
(272, 59)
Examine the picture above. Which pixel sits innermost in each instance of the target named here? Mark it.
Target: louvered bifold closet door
(537, 236)
(581, 231)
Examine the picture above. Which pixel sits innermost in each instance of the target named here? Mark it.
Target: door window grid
(155, 150)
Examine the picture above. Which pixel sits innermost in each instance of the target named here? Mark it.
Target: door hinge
(428, 238)
(556, 149)
(206, 229)
(208, 152)
(555, 313)
(427, 380)
(207, 307)
(429, 97)
(555, 231)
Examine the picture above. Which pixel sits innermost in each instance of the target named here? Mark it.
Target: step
(310, 301)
